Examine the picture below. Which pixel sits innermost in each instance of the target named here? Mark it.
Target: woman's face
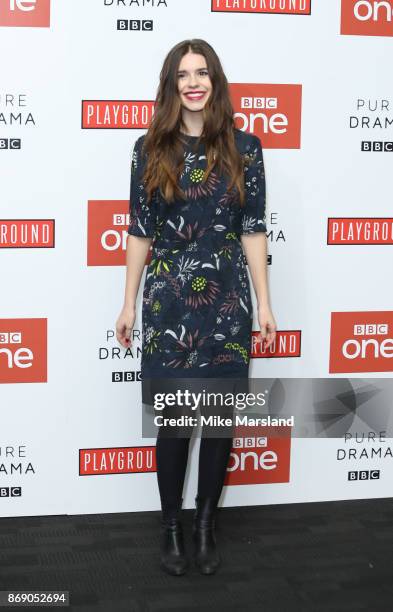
(193, 80)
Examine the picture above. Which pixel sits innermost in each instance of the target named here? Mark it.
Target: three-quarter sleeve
(142, 214)
(253, 214)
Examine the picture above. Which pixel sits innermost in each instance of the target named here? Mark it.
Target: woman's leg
(214, 452)
(213, 461)
(172, 447)
(216, 443)
(171, 459)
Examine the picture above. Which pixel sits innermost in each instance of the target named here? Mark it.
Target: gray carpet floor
(326, 556)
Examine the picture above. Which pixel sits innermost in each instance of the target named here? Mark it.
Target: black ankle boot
(173, 556)
(206, 556)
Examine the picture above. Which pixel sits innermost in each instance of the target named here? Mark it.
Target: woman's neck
(193, 123)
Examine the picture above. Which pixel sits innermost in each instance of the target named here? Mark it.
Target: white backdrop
(64, 397)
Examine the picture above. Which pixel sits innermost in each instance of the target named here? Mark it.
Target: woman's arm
(136, 253)
(255, 250)
(253, 236)
(141, 231)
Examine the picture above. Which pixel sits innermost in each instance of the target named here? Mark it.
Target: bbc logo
(10, 491)
(258, 102)
(377, 145)
(10, 143)
(121, 219)
(131, 376)
(250, 442)
(364, 475)
(370, 329)
(135, 25)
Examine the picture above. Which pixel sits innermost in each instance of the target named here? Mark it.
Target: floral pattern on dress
(197, 310)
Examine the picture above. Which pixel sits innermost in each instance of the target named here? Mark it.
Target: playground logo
(360, 230)
(27, 233)
(278, 7)
(116, 114)
(119, 460)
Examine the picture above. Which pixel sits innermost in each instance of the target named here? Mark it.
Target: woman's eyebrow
(196, 70)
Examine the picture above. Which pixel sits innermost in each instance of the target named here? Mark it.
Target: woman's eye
(201, 73)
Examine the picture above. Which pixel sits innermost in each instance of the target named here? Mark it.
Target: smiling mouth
(194, 95)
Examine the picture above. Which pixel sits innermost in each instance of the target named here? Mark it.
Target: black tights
(172, 457)
(172, 448)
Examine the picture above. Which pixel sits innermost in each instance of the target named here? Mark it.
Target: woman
(197, 193)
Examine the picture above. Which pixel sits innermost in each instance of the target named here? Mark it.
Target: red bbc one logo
(271, 112)
(256, 458)
(23, 350)
(107, 226)
(25, 13)
(361, 342)
(367, 17)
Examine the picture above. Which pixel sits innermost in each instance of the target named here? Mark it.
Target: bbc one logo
(361, 342)
(270, 111)
(25, 13)
(23, 350)
(367, 17)
(107, 225)
(257, 459)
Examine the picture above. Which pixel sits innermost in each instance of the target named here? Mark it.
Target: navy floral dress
(197, 310)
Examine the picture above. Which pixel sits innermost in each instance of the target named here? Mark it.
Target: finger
(271, 336)
(263, 331)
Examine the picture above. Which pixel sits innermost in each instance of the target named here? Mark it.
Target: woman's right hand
(124, 326)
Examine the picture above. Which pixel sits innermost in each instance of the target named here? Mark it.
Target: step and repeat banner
(77, 87)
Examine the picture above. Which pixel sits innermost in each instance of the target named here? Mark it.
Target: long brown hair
(162, 145)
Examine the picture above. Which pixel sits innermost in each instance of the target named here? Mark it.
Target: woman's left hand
(267, 325)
